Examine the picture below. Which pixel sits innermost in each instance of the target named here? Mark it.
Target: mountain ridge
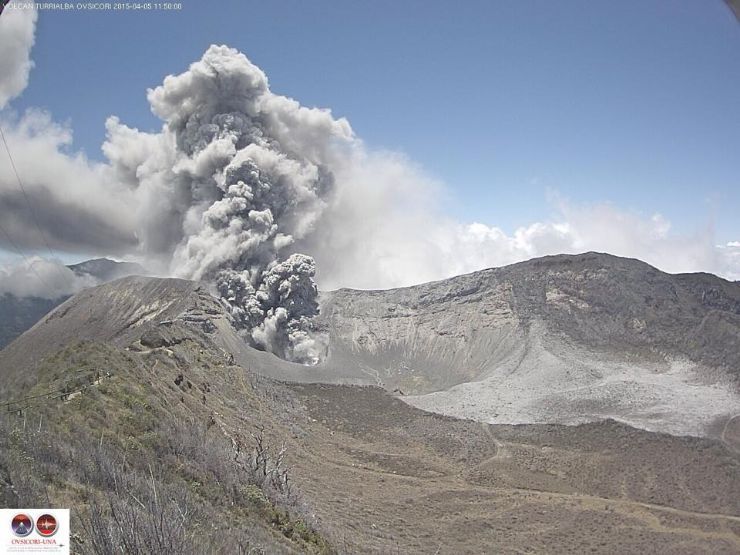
(18, 314)
(564, 339)
(510, 344)
(549, 259)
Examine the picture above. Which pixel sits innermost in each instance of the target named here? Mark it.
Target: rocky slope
(135, 401)
(558, 339)
(564, 339)
(17, 314)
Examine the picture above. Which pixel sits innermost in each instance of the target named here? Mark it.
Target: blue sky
(636, 103)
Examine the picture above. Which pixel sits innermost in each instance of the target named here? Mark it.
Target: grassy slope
(118, 427)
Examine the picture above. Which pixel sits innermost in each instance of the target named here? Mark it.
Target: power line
(734, 5)
(96, 376)
(15, 246)
(18, 250)
(65, 277)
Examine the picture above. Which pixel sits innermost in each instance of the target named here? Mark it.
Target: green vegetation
(100, 435)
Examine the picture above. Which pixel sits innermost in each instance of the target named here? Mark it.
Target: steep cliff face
(424, 338)
(559, 339)
(465, 327)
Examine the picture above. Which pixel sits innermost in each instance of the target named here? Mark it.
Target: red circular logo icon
(22, 525)
(46, 525)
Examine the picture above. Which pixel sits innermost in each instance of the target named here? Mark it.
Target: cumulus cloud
(37, 277)
(729, 260)
(81, 206)
(386, 228)
(601, 227)
(17, 28)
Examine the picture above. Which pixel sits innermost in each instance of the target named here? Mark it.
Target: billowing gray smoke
(278, 311)
(249, 180)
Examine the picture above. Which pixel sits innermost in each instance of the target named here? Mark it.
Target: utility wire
(65, 277)
(18, 250)
(61, 389)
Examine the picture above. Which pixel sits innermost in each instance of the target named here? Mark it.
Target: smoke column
(245, 175)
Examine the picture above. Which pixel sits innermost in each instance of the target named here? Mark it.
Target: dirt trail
(502, 452)
(723, 436)
(623, 503)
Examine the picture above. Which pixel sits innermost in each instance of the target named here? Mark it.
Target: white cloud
(603, 228)
(80, 206)
(388, 228)
(729, 260)
(37, 277)
(17, 28)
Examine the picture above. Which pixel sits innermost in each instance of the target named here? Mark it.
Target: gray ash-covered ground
(564, 339)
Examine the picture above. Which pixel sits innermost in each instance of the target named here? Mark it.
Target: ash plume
(246, 174)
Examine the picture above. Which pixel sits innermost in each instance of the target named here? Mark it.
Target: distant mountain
(17, 314)
(106, 270)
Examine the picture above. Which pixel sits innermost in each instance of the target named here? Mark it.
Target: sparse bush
(165, 491)
(267, 468)
(143, 471)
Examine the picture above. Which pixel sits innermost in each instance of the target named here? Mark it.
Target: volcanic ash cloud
(245, 173)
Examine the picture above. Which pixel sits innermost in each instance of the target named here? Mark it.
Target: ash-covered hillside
(556, 339)
(563, 339)
(19, 312)
(598, 301)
